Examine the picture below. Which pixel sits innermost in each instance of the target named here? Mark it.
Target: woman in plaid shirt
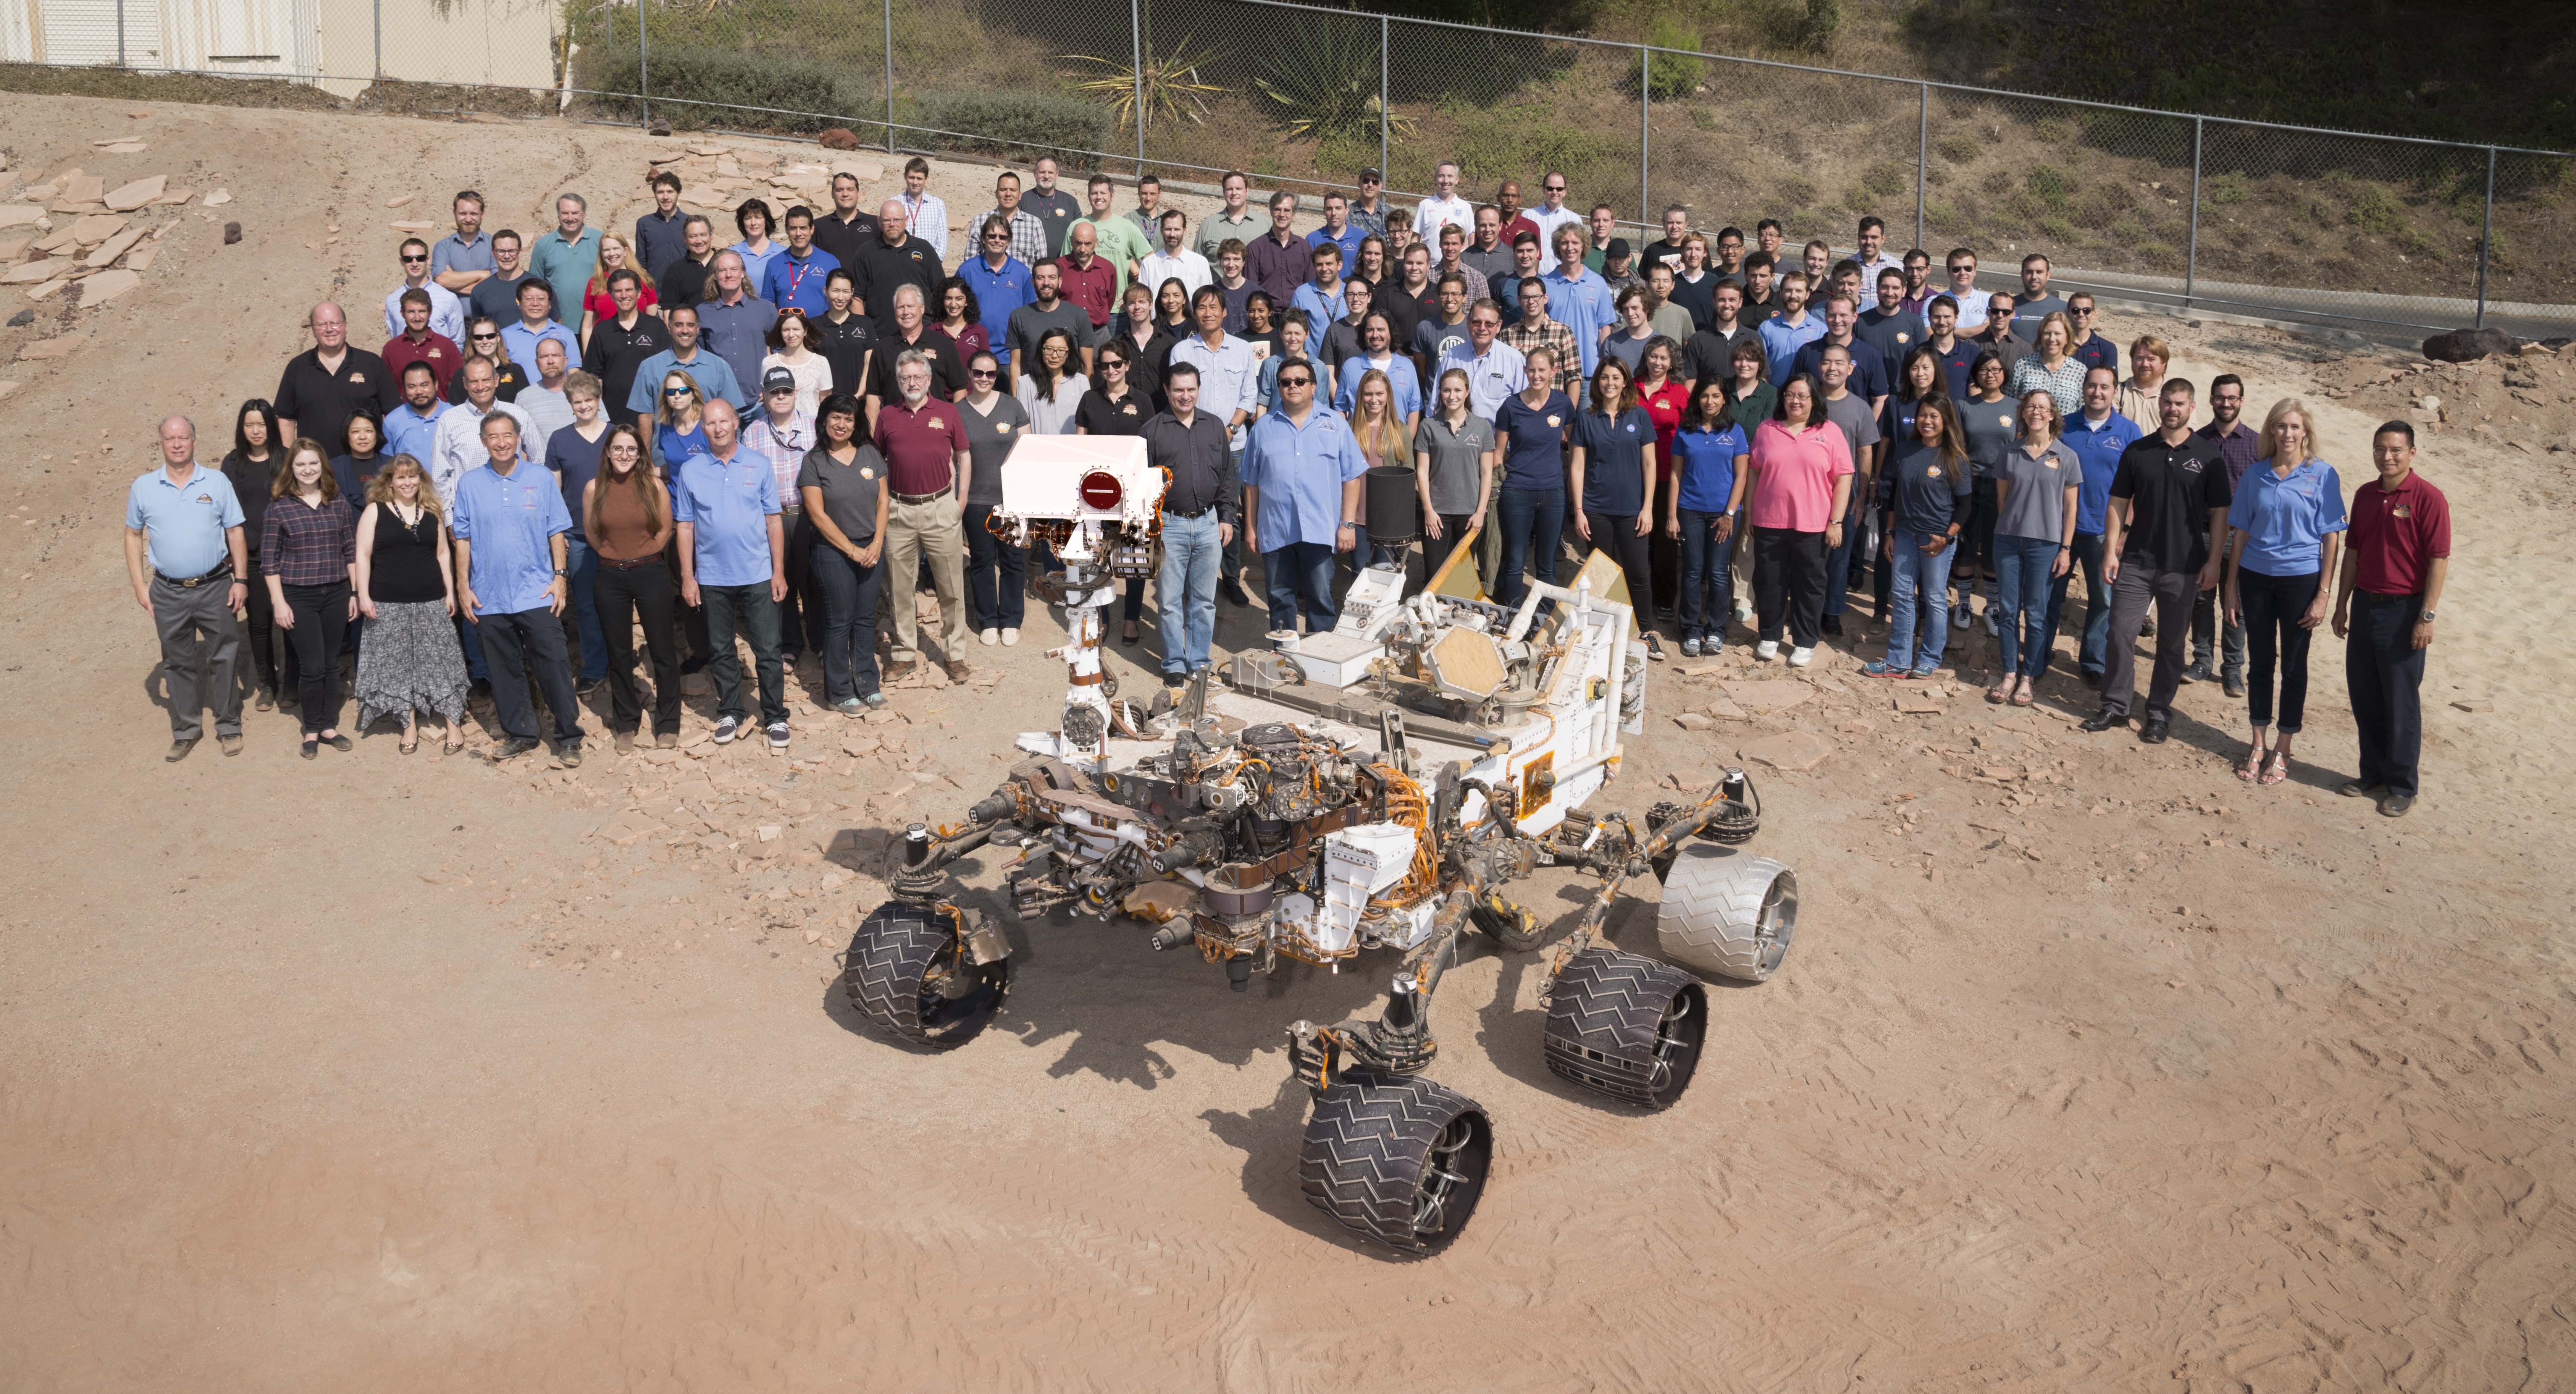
(308, 550)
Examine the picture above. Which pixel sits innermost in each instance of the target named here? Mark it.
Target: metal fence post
(2486, 240)
(1385, 100)
(1136, 46)
(643, 62)
(120, 33)
(380, 40)
(1645, 127)
(2191, 258)
(1922, 159)
(889, 76)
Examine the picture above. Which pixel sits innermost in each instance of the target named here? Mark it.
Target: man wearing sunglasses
(446, 308)
(2091, 348)
(1368, 211)
(1000, 281)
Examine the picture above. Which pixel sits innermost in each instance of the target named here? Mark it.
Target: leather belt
(630, 564)
(1189, 512)
(920, 498)
(218, 574)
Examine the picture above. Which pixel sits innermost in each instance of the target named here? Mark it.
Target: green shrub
(1958, 150)
(2056, 130)
(2058, 229)
(2374, 209)
(2051, 186)
(1886, 179)
(711, 87)
(1997, 183)
(2229, 187)
(2415, 242)
(1675, 77)
(1811, 28)
(1706, 119)
(1021, 124)
(1321, 84)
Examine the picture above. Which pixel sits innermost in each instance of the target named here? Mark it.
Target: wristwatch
(559, 571)
(2426, 617)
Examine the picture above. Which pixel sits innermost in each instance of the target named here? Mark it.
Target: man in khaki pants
(927, 468)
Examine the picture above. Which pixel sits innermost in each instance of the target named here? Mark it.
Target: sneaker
(179, 749)
(1875, 668)
(513, 748)
(778, 735)
(587, 686)
(2197, 672)
(1174, 682)
(1010, 637)
(2395, 805)
(849, 706)
(990, 637)
(727, 727)
(874, 700)
(1800, 658)
(2234, 683)
(1690, 646)
(1925, 670)
(1654, 646)
(2361, 789)
(568, 755)
(1744, 612)
(1767, 650)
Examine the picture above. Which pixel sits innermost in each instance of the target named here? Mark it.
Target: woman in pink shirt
(1801, 489)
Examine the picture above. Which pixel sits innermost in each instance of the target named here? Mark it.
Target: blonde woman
(2284, 524)
(2052, 367)
(407, 590)
(614, 255)
(679, 429)
(1383, 442)
(483, 336)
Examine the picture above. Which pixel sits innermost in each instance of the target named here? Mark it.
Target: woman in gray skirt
(407, 591)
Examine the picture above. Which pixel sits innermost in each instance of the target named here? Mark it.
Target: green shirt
(1122, 242)
(1215, 228)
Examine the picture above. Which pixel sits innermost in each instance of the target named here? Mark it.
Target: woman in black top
(844, 336)
(1261, 327)
(1133, 329)
(1114, 407)
(407, 592)
(309, 536)
(251, 468)
(483, 336)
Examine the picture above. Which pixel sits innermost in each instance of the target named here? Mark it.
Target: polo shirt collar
(195, 469)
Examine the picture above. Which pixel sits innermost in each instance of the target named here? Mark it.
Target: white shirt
(927, 218)
(1435, 214)
(1493, 375)
(1972, 309)
(446, 313)
(1186, 266)
(1548, 223)
(458, 447)
(1229, 379)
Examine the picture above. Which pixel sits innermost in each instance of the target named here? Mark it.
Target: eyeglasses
(997, 237)
(2079, 311)
(408, 259)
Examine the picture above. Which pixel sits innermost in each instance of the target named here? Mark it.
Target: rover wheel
(1401, 1161)
(1626, 1026)
(907, 973)
(1727, 912)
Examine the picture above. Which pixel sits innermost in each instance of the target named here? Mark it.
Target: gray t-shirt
(849, 491)
(1989, 426)
(1858, 423)
(2034, 502)
(989, 439)
(548, 411)
(1457, 460)
(1028, 324)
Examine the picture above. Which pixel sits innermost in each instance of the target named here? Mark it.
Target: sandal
(410, 741)
(2001, 692)
(2276, 769)
(2252, 765)
(2026, 694)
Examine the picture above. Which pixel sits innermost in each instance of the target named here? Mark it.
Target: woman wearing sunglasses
(483, 336)
(679, 429)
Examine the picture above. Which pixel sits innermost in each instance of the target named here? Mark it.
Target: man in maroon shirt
(2392, 577)
(418, 343)
(1278, 261)
(1090, 281)
(927, 475)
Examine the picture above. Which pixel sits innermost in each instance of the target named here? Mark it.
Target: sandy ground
(2094, 1069)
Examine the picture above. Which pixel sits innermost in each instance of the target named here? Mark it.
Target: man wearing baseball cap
(783, 436)
(1368, 210)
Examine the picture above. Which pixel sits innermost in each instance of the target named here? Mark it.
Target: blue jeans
(583, 563)
(2022, 608)
(848, 592)
(1533, 520)
(1917, 573)
(1298, 579)
(2092, 653)
(1706, 591)
(757, 614)
(1186, 591)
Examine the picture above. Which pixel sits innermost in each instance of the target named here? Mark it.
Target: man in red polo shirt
(418, 343)
(927, 473)
(1090, 281)
(2384, 600)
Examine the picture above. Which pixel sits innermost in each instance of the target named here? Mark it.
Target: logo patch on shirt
(1904, 338)
(2401, 511)
(1932, 473)
(1129, 409)
(2191, 466)
(1632, 428)
(356, 378)
(2004, 420)
(1555, 421)
(2050, 462)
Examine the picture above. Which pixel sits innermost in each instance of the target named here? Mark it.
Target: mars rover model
(1375, 789)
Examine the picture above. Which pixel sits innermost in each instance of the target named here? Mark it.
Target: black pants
(2386, 674)
(2170, 592)
(521, 646)
(1788, 585)
(800, 616)
(321, 624)
(624, 595)
(1436, 550)
(996, 575)
(1663, 550)
(1616, 533)
(2273, 605)
(259, 633)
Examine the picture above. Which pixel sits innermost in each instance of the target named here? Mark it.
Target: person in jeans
(407, 591)
(1454, 452)
(626, 512)
(1928, 483)
(1801, 492)
(2384, 601)
(2037, 485)
(733, 563)
(1198, 519)
(2284, 521)
(1533, 425)
(843, 483)
(783, 433)
(996, 570)
(1712, 465)
(184, 521)
(308, 538)
(572, 457)
(1611, 471)
(509, 524)
(2098, 436)
(2237, 442)
(2167, 530)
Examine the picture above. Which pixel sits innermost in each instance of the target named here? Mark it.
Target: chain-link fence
(2171, 208)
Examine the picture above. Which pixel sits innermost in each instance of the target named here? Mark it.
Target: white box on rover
(1081, 479)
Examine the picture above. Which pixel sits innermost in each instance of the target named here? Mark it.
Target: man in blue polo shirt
(1580, 300)
(187, 522)
(733, 562)
(412, 428)
(2097, 435)
(1785, 333)
(1871, 373)
(536, 324)
(796, 276)
(1301, 491)
(713, 375)
(510, 524)
(1000, 281)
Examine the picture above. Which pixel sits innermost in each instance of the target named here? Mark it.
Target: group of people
(783, 438)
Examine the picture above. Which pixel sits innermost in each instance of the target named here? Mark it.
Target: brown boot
(625, 742)
(957, 670)
(899, 670)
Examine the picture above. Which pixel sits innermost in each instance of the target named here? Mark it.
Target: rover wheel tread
(899, 950)
(1401, 1161)
(1727, 912)
(1626, 1026)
